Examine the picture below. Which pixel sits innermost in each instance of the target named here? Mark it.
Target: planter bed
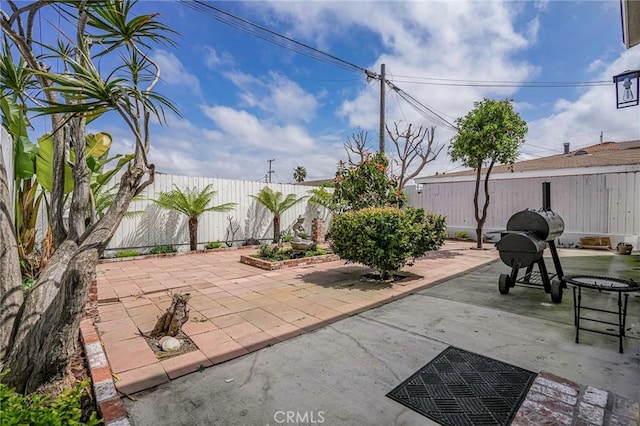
(180, 253)
(290, 263)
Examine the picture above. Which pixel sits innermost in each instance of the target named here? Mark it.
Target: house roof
(600, 155)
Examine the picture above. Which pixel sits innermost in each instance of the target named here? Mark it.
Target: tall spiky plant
(192, 203)
(274, 202)
(102, 65)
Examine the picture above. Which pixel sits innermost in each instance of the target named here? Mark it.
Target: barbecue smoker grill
(522, 245)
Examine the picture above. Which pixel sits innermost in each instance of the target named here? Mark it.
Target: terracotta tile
(141, 378)
(256, 341)
(241, 330)
(108, 307)
(124, 361)
(112, 314)
(284, 332)
(215, 312)
(119, 335)
(228, 320)
(147, 310)
(184, 364)
(308, 323)
(251, 296)
(210, 290)
(210, 339)
(191, 327)
(146, 327)
(113, 325)
(291, 315)
(226, 351)
(202, 302)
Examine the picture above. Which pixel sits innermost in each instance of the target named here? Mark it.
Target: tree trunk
(46, 329)
(276, 228)
(11, 296)
(170, 323)
(193, 233)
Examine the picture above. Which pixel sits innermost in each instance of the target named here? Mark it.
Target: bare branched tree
(413, 151)
(357, 145)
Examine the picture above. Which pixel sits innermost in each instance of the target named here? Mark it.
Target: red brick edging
(290, 263)
(108, 400)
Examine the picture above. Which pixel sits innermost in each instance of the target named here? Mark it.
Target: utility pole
(382, 90)
(270, 171)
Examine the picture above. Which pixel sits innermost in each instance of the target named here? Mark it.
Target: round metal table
(606, 284)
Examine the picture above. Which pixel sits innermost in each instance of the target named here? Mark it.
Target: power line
(271, 36)
(499, 83)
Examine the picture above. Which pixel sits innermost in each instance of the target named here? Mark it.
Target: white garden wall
(157, 226)
(602, 204)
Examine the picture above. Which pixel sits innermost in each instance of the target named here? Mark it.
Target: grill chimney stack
(566, 147)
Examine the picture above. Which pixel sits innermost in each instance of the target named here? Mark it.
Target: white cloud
(596, 65)
(581, 121)
(423, 39)
(276, 95)
(173, 71)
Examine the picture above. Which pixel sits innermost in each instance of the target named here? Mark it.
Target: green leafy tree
(366, 185)
(101, 66)
(276, 204)
(192, 203)
(386, 238)
(299, 174)
(490, 134)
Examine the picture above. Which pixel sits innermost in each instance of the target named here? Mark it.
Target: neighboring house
(595, 189)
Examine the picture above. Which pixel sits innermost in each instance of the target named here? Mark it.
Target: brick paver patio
(236, 308)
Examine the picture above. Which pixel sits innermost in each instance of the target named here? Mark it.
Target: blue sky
(245, 101)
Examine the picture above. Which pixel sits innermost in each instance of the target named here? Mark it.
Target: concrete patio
(346, 367)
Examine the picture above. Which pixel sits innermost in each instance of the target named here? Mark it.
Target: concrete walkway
(340, 373)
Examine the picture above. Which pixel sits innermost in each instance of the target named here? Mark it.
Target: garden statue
(299, 243)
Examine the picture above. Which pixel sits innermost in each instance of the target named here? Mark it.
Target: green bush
(462, 235)
(163, 249)
(275, 254)
(285, 236)
(386, 238)
(213, 245)
(17, 409)
(127, 253)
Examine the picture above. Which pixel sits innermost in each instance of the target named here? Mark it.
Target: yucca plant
(192, 203)
(274, 202)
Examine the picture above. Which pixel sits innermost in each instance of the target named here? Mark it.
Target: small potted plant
(624, 248)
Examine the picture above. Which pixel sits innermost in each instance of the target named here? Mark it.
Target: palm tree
(275, 204)
(299, 174)
(191, 203)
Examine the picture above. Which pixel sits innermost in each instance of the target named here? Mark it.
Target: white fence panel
(603, 204)
(154, 226)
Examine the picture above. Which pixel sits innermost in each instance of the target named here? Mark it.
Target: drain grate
(462, 388)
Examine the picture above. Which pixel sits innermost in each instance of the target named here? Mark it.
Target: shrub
(285, 236)
(163, 249)
(37, 409)
(274, 254)
(462, 235)
(386, 238)
(213, 245)
(251, 242)
(366, 185)
(127, 253)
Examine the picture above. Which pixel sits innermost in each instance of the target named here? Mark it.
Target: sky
(244, 101)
